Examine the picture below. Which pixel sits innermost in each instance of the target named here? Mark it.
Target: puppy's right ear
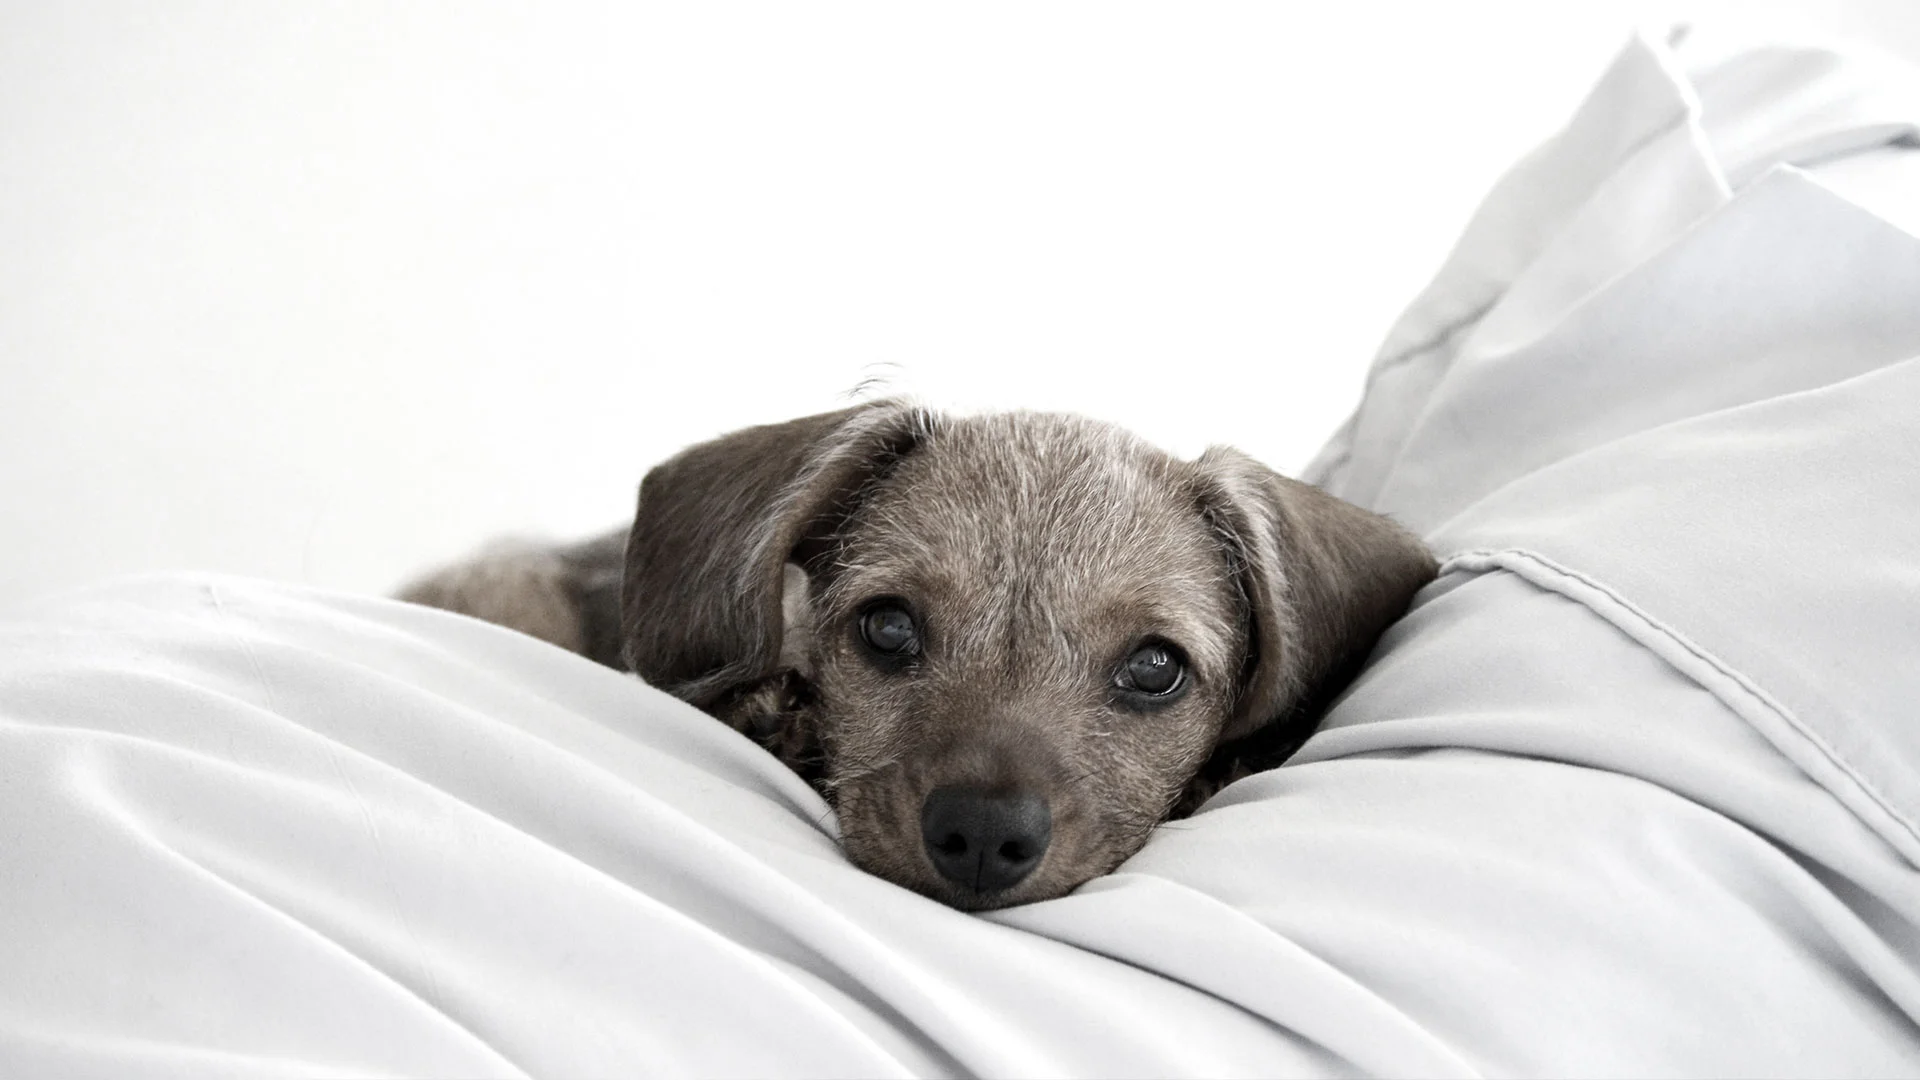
(700, 605)
(1322, 579)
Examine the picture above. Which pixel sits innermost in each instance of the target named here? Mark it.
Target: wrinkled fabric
(1632, 790)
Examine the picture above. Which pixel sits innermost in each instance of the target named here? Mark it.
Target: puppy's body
(1006, 645)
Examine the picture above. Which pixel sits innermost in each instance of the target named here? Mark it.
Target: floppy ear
(1322, 579)
(700, 604)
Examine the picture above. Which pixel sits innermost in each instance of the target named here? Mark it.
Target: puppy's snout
(985, 840)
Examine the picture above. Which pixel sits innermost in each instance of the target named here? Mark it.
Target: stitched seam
(1756, 698)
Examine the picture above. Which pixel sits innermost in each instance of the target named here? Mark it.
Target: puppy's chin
(881, 833)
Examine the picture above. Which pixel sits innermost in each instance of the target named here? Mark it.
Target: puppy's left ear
(1322, 579)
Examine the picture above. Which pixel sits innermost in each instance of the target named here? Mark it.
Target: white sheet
(1631, 791)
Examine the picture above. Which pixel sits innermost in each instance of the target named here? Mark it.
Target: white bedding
(1633, 790)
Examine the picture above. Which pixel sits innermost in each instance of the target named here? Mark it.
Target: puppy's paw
(1206, 785)
(1238, 759)
(777, 713)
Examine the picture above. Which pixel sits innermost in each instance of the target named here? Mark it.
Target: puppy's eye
(889, 629)
(1155, 669)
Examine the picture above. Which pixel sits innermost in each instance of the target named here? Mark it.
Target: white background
(326, 294)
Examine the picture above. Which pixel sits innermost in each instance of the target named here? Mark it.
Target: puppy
(1005, 646)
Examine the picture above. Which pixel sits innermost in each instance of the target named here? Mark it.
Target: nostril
(982, 839)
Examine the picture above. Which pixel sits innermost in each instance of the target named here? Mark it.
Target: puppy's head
(1007, 644)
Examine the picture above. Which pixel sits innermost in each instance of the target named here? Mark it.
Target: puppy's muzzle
(984, 840)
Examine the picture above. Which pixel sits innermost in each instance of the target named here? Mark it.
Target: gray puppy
(1005, 646)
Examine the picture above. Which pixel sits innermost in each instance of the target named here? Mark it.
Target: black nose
(984, 840)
